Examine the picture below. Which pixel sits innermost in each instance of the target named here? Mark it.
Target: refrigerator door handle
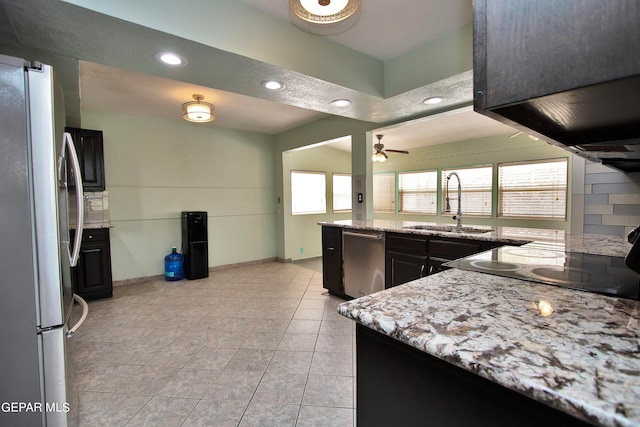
(85, 312)
(75, 164)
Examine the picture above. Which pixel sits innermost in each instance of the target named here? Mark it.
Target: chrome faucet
(458, 215)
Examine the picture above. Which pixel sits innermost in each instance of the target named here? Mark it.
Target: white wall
(154, 169)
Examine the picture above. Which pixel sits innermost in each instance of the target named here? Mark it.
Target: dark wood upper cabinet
(565, 71)
(89, 145)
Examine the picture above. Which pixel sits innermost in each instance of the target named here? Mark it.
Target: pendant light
(198, 111)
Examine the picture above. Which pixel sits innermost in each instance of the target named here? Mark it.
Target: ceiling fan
(380, 153)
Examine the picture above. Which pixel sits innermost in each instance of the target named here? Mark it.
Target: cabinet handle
(431, 270)
(422, 270)
(91, 236)
(330, 249)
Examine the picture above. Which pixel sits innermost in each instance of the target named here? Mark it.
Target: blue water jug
(173, 269)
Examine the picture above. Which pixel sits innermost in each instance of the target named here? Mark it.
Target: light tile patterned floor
(260, 345)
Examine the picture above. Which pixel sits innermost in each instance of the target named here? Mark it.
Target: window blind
(384, 191)
(533, 190)
(341, 192)
(418, 191)
(308, 193)
(476, 185)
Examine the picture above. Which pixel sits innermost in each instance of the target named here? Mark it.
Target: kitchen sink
(449, 229)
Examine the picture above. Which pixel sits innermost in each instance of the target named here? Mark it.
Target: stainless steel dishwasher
(363, 255)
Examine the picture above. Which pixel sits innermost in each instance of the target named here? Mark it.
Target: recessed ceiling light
(170, 58)
(434, 100)
(273, 84)
(341, 103)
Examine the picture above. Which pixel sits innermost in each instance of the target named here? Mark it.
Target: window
(533, 190)
(418, 192)
(308, 193)
(341, 192)
(476, 186)
(384, 191)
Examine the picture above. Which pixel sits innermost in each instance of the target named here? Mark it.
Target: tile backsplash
(611, 199)
(96, 208)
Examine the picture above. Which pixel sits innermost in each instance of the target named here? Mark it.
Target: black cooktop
(593, 273)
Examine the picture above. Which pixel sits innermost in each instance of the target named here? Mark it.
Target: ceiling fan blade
(385, 155)
(397, 151)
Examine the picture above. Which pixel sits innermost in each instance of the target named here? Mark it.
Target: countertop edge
(94, 226)
(370, 312)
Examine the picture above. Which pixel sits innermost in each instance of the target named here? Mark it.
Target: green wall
(448, 55)
(155, 169)
(320, 131)
(261, 37)
(493, 150)
(303, 238)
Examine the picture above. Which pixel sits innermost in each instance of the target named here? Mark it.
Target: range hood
(598, 122)
(569, 76)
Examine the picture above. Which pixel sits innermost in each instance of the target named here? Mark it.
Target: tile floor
(260, 345)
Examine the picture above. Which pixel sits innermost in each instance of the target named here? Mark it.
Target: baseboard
(298, 261)
(136, 280)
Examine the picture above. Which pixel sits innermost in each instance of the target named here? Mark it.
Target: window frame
(333, 192)
(434, 192)
(445, 171)
(323, 198)
(499, 191)
(392, 201)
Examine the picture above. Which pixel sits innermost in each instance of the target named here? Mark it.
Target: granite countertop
(576, 351)
(595, 244)
(94, 225)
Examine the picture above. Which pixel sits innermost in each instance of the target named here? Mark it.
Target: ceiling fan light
(324, 11)
(198, 111)
(378, 157)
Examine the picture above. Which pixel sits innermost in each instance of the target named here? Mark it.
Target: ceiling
(386, 29)
(113, 78)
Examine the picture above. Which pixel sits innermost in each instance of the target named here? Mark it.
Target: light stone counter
(94, 225)
(595, 244)
(576, 351)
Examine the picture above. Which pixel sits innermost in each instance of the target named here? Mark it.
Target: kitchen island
(468, 348)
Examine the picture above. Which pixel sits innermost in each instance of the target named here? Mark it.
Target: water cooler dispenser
(195, 245)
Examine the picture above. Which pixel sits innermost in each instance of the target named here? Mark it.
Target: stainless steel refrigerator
(36, 367)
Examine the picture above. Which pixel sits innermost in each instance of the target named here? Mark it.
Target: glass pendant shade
(378, 157)
(198, 111)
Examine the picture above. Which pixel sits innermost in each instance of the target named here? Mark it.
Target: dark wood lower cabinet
(332, 260)
(92, 275)
(398, 385)
(404, 267)
(406, 258)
